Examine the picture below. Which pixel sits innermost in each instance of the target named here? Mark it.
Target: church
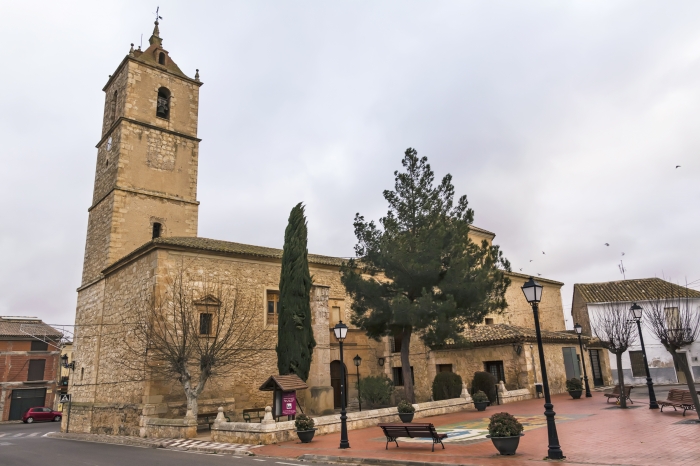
(143, 221)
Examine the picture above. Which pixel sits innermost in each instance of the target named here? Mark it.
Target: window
(444, 368)
(36, 369)
(488, 321)
(163, 103)
(273, 307)
(396, 342)
(335, 315)
(397, 372)
(161, 58)
(82, 373)
(156, 230)
(205, 320)
(39, 346)
(637, 360)
(496, 369)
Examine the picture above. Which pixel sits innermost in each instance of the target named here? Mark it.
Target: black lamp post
(358, 360)
(636, 312)
(533, 294)
(341, 331)
(64, 362)
(578, 329)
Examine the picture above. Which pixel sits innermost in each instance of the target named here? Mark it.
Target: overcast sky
(563, 122)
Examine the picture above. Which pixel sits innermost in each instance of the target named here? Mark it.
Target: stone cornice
(145, 193)
(161, 69)
(146, 125)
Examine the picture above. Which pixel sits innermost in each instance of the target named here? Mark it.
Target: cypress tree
(295, 337)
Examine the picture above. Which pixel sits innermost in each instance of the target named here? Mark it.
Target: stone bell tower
(146, 174)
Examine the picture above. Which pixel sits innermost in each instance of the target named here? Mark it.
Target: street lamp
(533, 294)
(358, 360)
(636, 312)
(64, 362)
(341, 331)
(578, 329)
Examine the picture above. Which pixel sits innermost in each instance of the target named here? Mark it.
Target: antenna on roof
(622, 268)
(141, 44)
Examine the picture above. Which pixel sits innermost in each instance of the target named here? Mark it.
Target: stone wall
(269, 433)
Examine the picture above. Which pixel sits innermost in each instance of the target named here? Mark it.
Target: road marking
(33, 435)
(2, 435)
(5, 443)
(18, 435)
(293, 464)
(254, 459)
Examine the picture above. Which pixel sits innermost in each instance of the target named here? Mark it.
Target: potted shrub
(406, 411)
(481, 401)
(505, 432)
(305, 428)
(574, 387)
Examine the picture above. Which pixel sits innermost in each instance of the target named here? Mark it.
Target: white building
(592, 298)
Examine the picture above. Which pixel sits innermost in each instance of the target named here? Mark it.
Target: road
(24, 445)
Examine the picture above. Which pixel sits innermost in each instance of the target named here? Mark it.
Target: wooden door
(595, 368)
(336, 383)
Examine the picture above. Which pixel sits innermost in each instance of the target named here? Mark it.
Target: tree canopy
(419, 271)
(295, 337)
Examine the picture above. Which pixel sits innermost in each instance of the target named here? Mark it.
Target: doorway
(595, 368)
(22, 400)
(571, 366)
(336, 382)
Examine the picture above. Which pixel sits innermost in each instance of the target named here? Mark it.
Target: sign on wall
(289, 403)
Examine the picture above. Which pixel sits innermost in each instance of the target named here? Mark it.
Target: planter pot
(306, 435)
(575, 394)
(481, 405)
(506, 445)
(406, 417)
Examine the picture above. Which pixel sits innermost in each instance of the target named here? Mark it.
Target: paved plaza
(591, 432)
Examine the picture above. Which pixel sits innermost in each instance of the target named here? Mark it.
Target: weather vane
(156, 13)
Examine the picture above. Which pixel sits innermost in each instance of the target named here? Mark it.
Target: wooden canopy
(286, 383)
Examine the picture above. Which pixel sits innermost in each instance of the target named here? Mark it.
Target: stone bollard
(268, 416)
(220, 416)
(502, 387)
(465, 393)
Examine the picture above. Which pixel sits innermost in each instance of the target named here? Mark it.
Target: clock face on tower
(109, 143)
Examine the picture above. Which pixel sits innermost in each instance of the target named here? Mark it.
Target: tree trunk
(192, 406)
(406, 364)
(621, 380)
(682, 361)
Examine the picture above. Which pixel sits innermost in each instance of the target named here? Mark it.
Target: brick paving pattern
(589, 434)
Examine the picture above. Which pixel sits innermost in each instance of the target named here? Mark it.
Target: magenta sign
(289, 403)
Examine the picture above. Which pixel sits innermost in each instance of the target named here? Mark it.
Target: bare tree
(612, 326)
(675, 321)
(191, 327)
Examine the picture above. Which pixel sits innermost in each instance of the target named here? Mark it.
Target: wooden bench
(615, 393)
(250, 413)
(678, 399)
(209, 418)
(411, 430)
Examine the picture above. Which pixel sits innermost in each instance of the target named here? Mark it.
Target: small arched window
(163, 104)
(113, 106)
(161, 58)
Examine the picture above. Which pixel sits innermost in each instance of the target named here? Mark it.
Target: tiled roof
(642, 289)
(482, 335)
(287, 383)
(18, 327)
(214, 245)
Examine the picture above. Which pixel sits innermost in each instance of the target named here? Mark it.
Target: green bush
(485, 382)
(405, 407)
(479, 397)
(504, 425)
(573, 385)
(446, 385)
(303, 422)
(376, 390)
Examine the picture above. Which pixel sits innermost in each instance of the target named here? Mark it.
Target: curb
(377, 461)
(168, 444)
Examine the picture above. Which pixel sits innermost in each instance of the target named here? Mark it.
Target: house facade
(143, 225)
(591, 299)
(29, 363)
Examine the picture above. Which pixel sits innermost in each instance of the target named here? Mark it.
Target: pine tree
(439, 281)
(295, 337)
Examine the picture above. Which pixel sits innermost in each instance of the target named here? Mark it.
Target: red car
(41, 414)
